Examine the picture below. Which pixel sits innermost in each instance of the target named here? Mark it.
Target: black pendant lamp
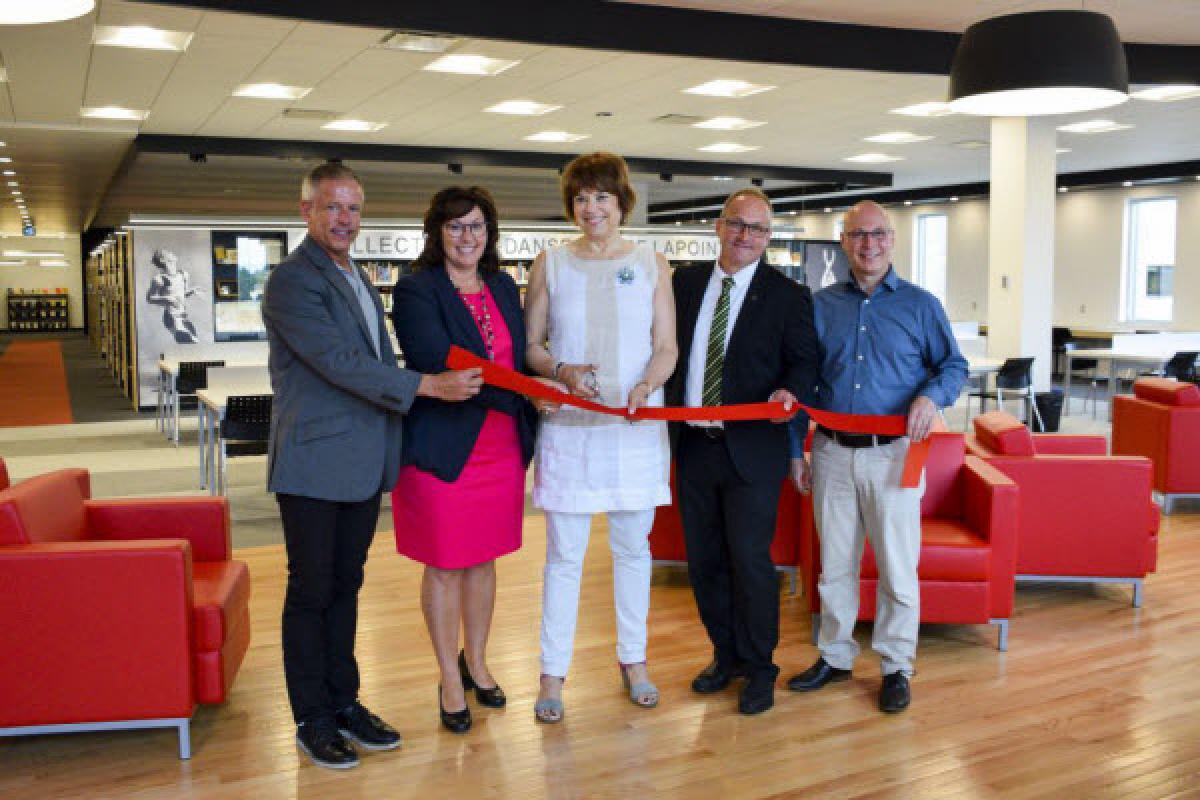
(1039, 62)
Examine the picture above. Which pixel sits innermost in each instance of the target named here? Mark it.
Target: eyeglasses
(456, 229)
(878, 235)
(736, 226)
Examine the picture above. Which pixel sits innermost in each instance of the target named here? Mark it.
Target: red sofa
(667, 546)
(1161, 421)
(968, 545)
(121, 613)
(1085, 516)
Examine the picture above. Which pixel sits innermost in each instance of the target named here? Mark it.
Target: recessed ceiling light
(556, 136)
(727, 147)
(13, 183)
(972, 144)
(873, 158)
(26, 13)
(33, 254)
(931, 109)
(728, 88)
(1093, 126)
(1127, 184)
(525, 107)
(357, 125)
(1168, 94)
(1062, 190)
(53, 262)
(791, 213)
(1061, 150)
(10, 172)
(908, 202)
(897, 137)
(114, 112)
(722, 177)
(141, 37)
(469, 64)
(10, 263)
(729, 124)
(271, 91)
(417, 42)
(6, 160)
(16, 192)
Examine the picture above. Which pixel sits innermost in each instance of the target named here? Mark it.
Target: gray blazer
(335, 419)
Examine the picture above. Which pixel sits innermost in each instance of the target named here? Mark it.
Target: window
(929, 254)
(1148, 272)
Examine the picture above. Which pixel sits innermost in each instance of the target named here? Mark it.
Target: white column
(1021, 242)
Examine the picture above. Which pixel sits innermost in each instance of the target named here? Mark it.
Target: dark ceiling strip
(774, 194)
(159, 143)
(683, 32)
(702, 207)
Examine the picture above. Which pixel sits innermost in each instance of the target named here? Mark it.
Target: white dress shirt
(694, 390)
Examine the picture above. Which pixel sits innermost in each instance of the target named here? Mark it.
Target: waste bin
(1049, 406)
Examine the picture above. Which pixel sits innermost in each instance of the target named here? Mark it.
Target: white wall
(1089, 229)
(31, 276)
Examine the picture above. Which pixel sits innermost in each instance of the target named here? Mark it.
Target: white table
(211, 403)
(1115, 359)
(167, 408)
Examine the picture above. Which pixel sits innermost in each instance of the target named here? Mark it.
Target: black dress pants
(327, 545)
(728, 527)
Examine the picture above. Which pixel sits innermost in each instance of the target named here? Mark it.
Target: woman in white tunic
(601, 320)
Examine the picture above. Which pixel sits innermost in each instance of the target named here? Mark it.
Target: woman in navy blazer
(459, 501)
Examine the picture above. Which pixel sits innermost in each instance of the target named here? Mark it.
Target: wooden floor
(1093, 700)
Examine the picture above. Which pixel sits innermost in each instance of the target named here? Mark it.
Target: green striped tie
(714, 361)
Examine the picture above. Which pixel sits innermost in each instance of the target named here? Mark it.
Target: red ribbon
(880, 425)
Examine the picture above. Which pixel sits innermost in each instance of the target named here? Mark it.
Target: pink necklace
(483, 318)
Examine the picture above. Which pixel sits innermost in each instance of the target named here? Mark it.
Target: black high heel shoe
(492, 698)
(454, 721)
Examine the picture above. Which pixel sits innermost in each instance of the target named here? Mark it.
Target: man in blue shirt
(885, 347)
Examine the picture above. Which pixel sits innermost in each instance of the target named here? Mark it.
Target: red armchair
(968, 545)
(119, 613)
(4, 483)
(1161, 421)
(1107, 533)
(667, 546)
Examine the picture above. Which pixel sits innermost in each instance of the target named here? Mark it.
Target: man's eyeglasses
(456, 229)
(736, 226)
(878, 235)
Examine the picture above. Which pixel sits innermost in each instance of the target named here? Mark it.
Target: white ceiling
(816, 117)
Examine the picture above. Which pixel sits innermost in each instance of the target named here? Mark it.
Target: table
(1115, 360)
(166, 416)
(210, 411)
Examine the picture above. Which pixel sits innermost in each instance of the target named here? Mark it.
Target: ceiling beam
(664, 30)
(318, 150)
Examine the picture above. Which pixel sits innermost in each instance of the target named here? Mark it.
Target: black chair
(1059, 339)
(1181, 367)
(1013, 379)
(244, 431)
(193, 375)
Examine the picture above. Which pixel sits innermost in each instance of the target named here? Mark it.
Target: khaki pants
(857, 495)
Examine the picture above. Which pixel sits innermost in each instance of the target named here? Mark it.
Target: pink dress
(477, 518)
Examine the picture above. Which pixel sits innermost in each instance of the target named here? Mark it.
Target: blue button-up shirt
(878, 353)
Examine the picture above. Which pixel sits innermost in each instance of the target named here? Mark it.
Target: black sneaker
(320, 741)
(366, 729)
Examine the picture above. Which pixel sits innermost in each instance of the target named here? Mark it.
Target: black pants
(728, 526)
(327, 545)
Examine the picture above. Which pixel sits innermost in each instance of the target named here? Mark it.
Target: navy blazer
(429, 317)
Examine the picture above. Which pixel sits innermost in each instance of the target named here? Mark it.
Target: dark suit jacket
(773, 346)
(335, 420)
(429, 316)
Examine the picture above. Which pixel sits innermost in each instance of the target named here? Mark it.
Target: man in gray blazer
(335, 446)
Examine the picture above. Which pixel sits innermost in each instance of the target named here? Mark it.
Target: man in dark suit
(335, 445)
(745, 335)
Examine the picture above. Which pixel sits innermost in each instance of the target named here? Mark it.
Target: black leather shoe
(817, 676)
(365, 729)
(714, 678)
(894, 694)
(320, 741)
(454, 721)
(492, 698)
(757, 695)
